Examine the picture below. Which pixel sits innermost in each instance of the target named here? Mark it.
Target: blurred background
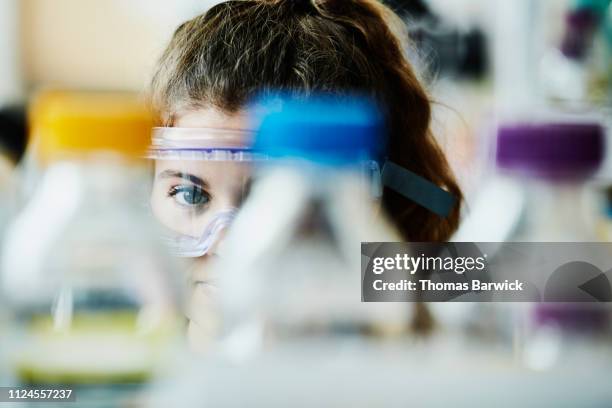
(522, 97)
(110, 45)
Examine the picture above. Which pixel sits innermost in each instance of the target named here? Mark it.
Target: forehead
(212, 118)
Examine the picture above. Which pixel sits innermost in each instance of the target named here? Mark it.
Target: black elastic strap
(417, 189)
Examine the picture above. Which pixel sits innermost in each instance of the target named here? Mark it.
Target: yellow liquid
(97, 348)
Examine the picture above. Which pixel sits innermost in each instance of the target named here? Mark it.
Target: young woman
(217, 62)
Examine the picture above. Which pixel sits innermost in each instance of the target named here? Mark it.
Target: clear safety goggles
(202, 177)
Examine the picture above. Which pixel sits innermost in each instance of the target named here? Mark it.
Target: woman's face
(186, 197)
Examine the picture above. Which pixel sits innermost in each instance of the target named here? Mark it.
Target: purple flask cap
(551, 150)
(580, 27)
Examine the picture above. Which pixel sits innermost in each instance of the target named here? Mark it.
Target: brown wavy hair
(239, 49)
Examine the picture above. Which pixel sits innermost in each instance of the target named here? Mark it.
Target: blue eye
(189, 195)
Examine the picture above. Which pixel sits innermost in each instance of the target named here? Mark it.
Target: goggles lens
(201, 177)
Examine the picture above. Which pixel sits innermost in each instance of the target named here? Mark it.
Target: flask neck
(559, 211)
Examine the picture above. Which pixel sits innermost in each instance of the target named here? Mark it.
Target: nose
(217, 231)
(227, 200)
(214, 249)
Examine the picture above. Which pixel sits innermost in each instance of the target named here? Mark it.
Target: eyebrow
(184, 176)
